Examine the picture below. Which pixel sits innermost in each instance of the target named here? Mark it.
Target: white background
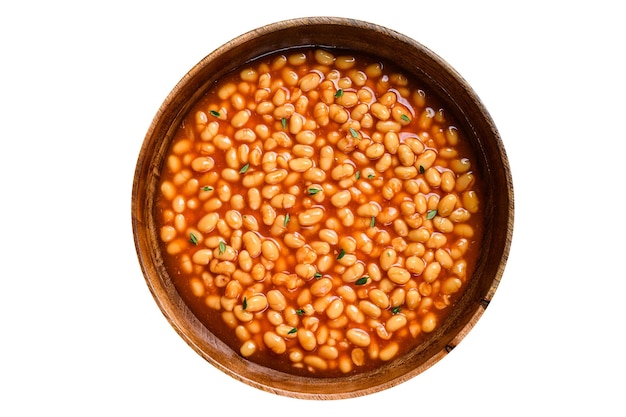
(79, 85)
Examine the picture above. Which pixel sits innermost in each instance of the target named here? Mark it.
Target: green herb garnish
(317, 275)
(222, 247)
(286, 221)
(373, 221)
(431, 214)
(207, 188)
(313, 191)
(342, 253)
(339, 93)
(354, 133)
(283, 122)
(405, 118)
(300, 312)
(244, 305)
(244, 168)
(396, 310)
(362, 280)
(371, 176)
(193, 239)
(358, 175)
(292, 331)
(214, 113)
(422, 170)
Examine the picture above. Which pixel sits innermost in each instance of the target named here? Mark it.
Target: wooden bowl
(415, 60)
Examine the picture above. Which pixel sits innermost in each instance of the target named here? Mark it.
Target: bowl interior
(417, 61)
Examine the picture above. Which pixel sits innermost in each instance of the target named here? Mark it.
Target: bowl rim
(185, 94)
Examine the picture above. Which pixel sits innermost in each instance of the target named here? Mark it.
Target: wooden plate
(417, 61)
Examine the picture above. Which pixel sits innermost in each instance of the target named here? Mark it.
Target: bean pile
(319, 212)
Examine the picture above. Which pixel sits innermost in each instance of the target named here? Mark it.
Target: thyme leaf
(362, 281)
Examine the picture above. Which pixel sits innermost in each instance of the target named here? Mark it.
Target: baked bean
(311, 216)
(387, 259)
(369, 309)
(208, 223)
(389, 351)
(316, 362)
(459, 248)
(341, 199)
(470, 201)
(310, 81)
(354, 314)
(242, 315)
(380, 111)
(405, 173)
(464, 182)
(451, 285)
(307, 339)
(329, 236)
(368, 210)
(459, 215)
(463, 230)
(335, 309)
(269, 249)
(429, 322)
(398, 275)
(202, 256)
(300, 164)
(294, 240)
(276, 300)
(314, 175)
(252, 242)
(248, 348)
(379, 298)
(274, 342)
(376, 151)
(268, 214)
(321, 287)
(168, 233)
(358, 337)
(256, 303)
(305, 271)
(432, 271)
(460, 268)
(353, 273)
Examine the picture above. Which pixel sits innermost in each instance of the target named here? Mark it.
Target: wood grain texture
(416, 60)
